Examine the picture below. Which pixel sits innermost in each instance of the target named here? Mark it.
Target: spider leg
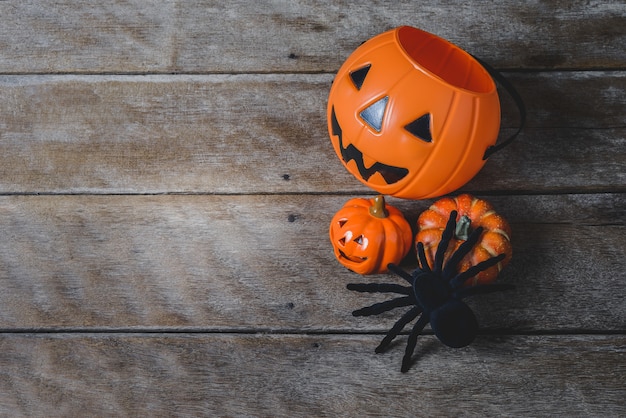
(421, 257)
(379, 288)
(451, 266)
(397, 270)
(446, 236)
(381, 307)
(460, 278)
(481, 289)
(410, 345)
(397, 328)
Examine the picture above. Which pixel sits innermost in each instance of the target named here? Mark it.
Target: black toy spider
(435, 294)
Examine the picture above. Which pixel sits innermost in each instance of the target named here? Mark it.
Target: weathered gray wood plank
(265, 263)
(285, 36)
(178, 262)
(557, 161)
(267, 134)
(293, 375)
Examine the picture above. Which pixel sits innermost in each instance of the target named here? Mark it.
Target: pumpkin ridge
(492, 252)
(502, 232)
(433, 157)
(474, 202)
(391, 232)
(400, 238)
(488, 213)
(439, 209)
(467, 151)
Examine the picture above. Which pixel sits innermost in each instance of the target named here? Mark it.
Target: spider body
(435, 296)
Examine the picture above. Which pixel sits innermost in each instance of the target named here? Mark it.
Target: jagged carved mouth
(390, 173)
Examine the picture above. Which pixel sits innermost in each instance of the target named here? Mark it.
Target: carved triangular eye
(373, 114)
(358, 76)
(420, 128)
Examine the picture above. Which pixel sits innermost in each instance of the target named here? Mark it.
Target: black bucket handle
(518, 102)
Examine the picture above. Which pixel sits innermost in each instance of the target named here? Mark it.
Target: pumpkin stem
(378, 209)
(463, 229)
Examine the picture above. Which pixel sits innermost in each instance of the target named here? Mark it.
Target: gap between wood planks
(487, 193)
(269, 331)
(285, 72)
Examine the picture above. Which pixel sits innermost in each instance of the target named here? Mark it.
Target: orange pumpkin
(368, 234)
(472, 213)
(411, 115)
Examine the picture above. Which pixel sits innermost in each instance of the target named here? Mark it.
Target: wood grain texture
(268, 134)
(264, 262)
(305, 375)
(167, 183)
(286, 36)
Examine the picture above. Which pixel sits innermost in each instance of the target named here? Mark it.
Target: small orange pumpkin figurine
(472, 213)
(368, 234)
(411, 115)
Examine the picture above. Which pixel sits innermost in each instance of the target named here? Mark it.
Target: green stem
(463, 230)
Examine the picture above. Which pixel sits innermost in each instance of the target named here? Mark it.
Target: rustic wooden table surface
(167, 182)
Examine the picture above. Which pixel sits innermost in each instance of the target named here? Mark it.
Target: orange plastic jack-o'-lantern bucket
(411, 115)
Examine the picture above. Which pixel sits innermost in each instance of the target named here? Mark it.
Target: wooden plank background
(166, 184)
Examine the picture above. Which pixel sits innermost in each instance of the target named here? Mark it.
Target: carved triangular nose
(374, 113)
